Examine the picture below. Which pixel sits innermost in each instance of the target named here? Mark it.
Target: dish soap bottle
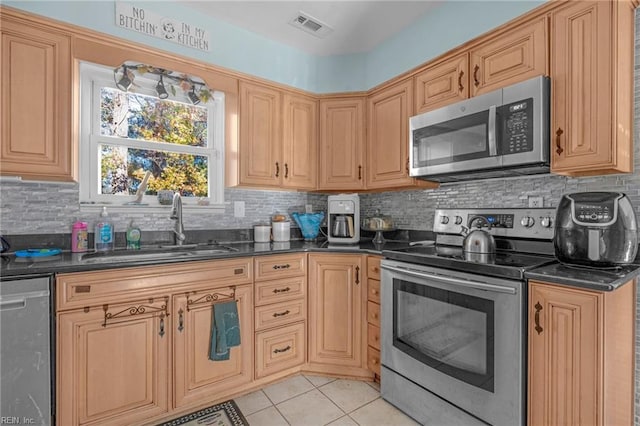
(104, 232)
(133, 237)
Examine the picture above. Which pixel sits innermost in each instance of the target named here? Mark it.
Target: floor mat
(223, 414)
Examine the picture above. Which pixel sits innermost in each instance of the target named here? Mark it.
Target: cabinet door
(196, 377)
(36, 103)
(336, 314)
(591, 123)
(511, 57)
(341, 144)
(116, 374)
(388, 115)
(564, 356)
(260, 157)
(442, 84)
(300, 142)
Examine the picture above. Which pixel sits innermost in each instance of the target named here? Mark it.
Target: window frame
(92, 78)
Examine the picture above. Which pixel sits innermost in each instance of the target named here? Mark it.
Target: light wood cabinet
(133, 343)
(443, 83)
(116, 371)
(515, 55)
(388, 113)
(373, 314)
(260, 135)
(300, 142)
(196, 377)
(342, 146)
(280, 313)
(337, 336)
(581, 346)
(37, 135)
(592, 88)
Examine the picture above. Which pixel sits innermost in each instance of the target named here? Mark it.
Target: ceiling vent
(311, 25)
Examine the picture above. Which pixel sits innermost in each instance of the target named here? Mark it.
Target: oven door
(457, 335)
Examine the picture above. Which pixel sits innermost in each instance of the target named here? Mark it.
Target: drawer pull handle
(285, 266)
(277, 169)
(538, 307)
(280, 314)
(476, 82)
(357, 275)
(359, 172)
(286, 171)
(180, 320)
(83, 289)
(281, 290)
(460, 86)
(161, 332)
(277, 351)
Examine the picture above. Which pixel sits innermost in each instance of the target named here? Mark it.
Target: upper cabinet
(260, 135)
(37, 140)
(592, 88)
(300, 142)
(342, 144)
(508, 57)
(515, 55)
(388, 113)
(442, 83)
(278, 138)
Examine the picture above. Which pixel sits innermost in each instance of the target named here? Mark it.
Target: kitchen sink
(156, 253)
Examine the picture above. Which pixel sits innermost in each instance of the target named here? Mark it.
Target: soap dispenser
(104, 236)
(133, 237)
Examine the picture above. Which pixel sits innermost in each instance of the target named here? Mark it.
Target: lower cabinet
(138, 350)
(581, 346)
(114, 371)
(280, 348)
(337, 314)
(373, 315)
(195, 375)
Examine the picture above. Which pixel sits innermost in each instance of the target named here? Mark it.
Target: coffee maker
(343, 223)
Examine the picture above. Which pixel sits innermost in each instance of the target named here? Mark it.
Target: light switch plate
(535, 201)
(238, 208)
(308, 208)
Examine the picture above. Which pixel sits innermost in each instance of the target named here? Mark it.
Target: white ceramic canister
(261, 233)
(281, 231)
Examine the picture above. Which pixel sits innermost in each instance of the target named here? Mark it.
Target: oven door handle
(455, 281)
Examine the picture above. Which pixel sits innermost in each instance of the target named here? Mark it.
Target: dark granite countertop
(72, 262)
(602, 279)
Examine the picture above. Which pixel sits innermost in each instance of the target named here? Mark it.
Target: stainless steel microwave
(498, 134)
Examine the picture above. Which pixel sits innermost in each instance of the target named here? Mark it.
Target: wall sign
(144, 21)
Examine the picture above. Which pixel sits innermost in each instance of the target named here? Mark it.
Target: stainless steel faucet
(176, 214)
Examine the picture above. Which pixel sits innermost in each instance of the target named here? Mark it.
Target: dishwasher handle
(19, 301)
(450, 280)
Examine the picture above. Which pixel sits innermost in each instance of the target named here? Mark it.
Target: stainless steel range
(454, 322)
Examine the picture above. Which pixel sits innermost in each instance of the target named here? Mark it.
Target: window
(127, 135)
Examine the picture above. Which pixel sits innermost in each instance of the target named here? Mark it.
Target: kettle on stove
(478, 240)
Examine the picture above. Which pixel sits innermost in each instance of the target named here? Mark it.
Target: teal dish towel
(225, 330)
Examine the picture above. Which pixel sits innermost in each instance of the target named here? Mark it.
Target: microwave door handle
(493, 148)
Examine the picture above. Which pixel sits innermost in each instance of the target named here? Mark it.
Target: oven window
(453, 141)
(451, 332)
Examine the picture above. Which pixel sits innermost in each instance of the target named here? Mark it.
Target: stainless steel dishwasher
(25, 351)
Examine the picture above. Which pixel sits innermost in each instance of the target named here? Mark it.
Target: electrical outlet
(535, 201)
(308, 208)
(238, 208)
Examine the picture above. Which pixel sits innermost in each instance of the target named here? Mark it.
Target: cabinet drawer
(373, 267)
(373, 360)
(373, 336)
(280, 290)
(280, 314)
(373, 313)
(279, 349)
(280, 266)
(81, 289)
(373, 290)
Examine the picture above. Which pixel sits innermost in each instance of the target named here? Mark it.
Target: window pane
(135, 116)
(122, 169)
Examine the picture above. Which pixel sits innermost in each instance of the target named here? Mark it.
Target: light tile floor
(306, 400)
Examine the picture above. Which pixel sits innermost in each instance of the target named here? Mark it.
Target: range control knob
(458, 220)
(527, 221)
(444, 220)
(546, 222)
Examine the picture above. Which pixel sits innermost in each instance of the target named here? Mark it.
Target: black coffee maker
(595, 229)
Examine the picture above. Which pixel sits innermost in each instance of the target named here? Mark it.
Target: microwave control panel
(517, 127)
